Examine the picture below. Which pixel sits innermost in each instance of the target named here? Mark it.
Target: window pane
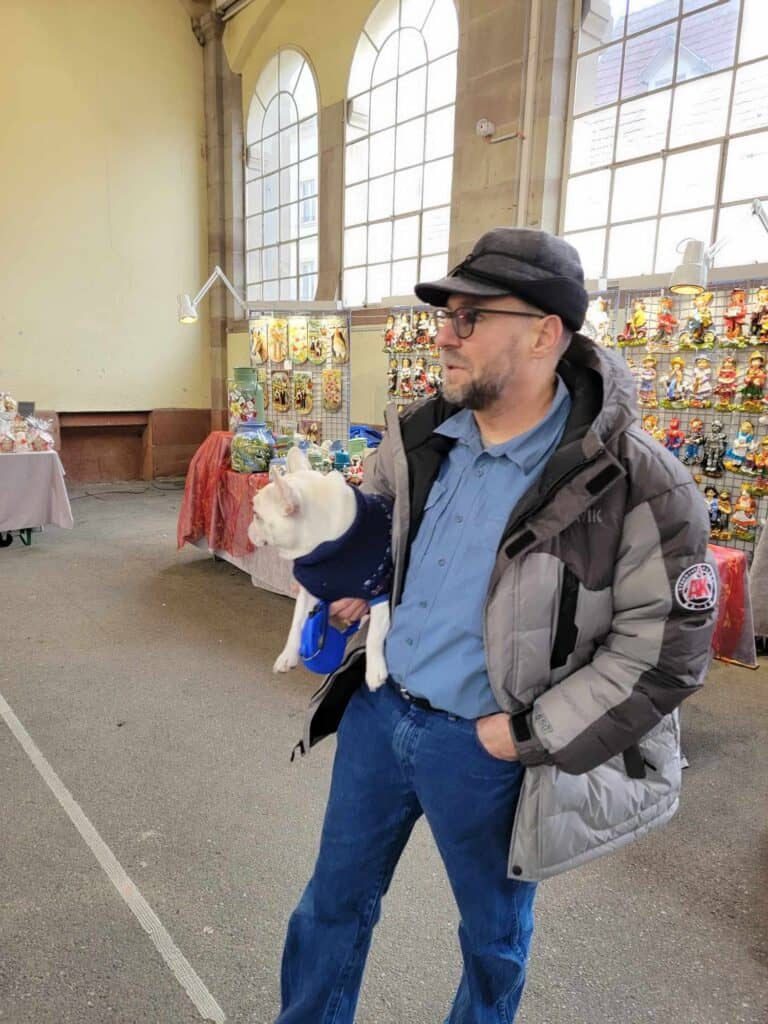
(383, 152)
(290, 64)
(409, 147)
(380, 241)
(404, 277)
(385, 67)
(289, 184)
(413, 12)
(749, 242)
(432, 268)
(271, 191)
(288, 288)
(270, 154)
(271, 227)
(379, 282)
(437, 182)
(630, 249)
(590, 245)
(289, 222)
(708, 41)
(382, 21)
(253, 234)
(636, 190)
(253, 266)
(746, 172)
(750, 98)
(362, 66)
(597, 79)
(288, 113)
(308, 255)
(305, 93)
(308, 178)
(700, 109)
(354, 287)
(253, 293)
(754, 30)
(406, 239)
(356, 204)
(308, 216)
(253, 197)
(288, 263)
(592, 140)
(441, 82)
(690, 178)
(600, 28)
(308, 138)
(642, 126)
(383, 106)
(440, 133)
(271, 120)
(411, 94)
(695, 5)
(289, 146)
(441, 29)
(267, 85)
(408, 190)
(672, 230)
(307, 288)
(380, 197)
(643, 14)
(412, 51)
(269, 263)
(271, 290)
(435, 225)
(354, 246)
(587, 200)
(649, 61)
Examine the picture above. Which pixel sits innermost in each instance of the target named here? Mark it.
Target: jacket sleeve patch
(696, 588)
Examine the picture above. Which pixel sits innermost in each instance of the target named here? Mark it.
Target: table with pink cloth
(32, 491)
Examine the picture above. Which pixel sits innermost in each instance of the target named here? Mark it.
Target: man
(552, 606)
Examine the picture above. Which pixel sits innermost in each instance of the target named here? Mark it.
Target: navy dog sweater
(357, 564)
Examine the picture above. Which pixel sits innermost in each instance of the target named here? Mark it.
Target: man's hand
(494, 735)
(349, 609)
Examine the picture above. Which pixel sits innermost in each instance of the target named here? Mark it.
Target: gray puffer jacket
(598, 617)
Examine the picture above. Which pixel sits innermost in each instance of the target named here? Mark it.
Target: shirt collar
(526, 449)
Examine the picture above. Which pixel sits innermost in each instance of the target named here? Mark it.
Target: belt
(418, 702)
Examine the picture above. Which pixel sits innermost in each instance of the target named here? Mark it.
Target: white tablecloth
(32, 491)
(265, 567)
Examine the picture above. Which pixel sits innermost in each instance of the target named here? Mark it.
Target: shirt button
(422, 604)
(459, 519)
(441, 561)
(409, 641)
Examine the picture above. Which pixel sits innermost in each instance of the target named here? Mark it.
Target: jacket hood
(602, 390)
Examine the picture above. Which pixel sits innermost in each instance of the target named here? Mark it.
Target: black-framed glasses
(463, 320)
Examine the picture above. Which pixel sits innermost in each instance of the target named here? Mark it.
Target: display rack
(413, 360)
(682, 390)
(303, 355)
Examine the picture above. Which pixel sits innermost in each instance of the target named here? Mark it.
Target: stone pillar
(225, 190)
(331, 192)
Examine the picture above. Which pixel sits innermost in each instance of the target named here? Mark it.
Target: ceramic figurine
(406, 388)
(693, 449)
(715, 444)
(722, 522)
(404, 341)
(739, 447)
(675, 385)
(646, 395)
(419, 378)
(752, 394)
(665, 325)
(422, 330)
(434, 379)
(758, 322)
(389, 333)
(744, 516)
(760, 485)
(597, 322)
(674, 438)
(698, 331)
(699, 385)
(727, 385)
(734, 317)
(635, 370)
(710, 496)
(635, 331)
(392, 377)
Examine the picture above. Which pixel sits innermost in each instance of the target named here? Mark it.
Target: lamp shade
(187, 311)
(690, 277)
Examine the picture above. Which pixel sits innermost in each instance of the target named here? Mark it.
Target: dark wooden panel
(180, 426)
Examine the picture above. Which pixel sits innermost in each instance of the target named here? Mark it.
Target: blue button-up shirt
(435, 646)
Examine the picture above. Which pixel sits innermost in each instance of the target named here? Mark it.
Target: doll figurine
(646, 395)
(760, 484)
(699, 389)
(758, 322)
(698, 332)
(744, 517)
(597, 322)
(419, 378)
(752, 394)
(675, 385)
(727, 385)
(715, 444)
(651, 426)
(739, 447)
(693, 449)
(434, 379)
(635, 331)
(673, 440)
(710, 496)
(422, 330)
(723, 518)
(392, 377)
(635, 370)
(665, 325)
(406, 390)
(389, 333)
(404, 341)
(735, 315)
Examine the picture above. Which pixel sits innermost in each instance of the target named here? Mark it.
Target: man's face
(480, 370)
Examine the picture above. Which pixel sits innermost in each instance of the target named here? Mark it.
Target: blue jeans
(393, 763)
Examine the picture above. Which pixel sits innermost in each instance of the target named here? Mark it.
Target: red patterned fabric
(733, 639)
(217, 501)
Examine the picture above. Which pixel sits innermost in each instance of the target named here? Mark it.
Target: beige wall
(102, 205)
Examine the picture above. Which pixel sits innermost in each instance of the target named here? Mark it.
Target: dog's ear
(297, 460)
(288, 495)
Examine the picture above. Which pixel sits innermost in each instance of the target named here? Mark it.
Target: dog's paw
(375, 672)
(285, 661)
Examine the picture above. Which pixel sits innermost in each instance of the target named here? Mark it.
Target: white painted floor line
(185, 974)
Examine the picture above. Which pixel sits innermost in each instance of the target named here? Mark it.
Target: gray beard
(478, 394)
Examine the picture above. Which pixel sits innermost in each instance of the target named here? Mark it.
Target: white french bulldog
(296, 513)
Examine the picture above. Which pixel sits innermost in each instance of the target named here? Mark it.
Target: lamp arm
(756, 209)
(219, 273)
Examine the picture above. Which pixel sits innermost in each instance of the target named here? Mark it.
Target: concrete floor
(142, 674)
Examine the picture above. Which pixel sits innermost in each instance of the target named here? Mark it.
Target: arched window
(399, 149)
(281, 182)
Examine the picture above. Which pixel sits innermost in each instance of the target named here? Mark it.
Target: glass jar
(245, 397)
(253, 447)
